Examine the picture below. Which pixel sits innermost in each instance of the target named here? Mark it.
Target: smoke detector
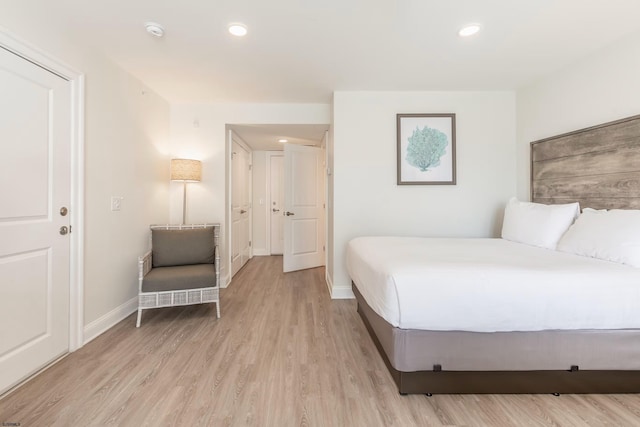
(154, 29)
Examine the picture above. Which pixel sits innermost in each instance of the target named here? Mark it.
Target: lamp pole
(184, 203)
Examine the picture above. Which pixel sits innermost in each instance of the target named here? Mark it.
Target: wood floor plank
(282, 354)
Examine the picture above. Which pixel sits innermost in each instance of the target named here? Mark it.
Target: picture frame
(426, 149)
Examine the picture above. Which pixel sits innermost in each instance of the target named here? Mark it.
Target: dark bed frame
(598, 167)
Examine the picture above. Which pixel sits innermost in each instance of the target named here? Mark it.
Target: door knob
(242, 211)
(64, 230)
(289, 213)
(275, 210)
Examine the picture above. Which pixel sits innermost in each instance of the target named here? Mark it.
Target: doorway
(267, 143)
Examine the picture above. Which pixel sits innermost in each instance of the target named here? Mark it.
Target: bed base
(574, 381)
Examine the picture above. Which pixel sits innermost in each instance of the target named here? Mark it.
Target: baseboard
(104, 323)
(224, 281)
(328, 280)
(342, 292)
(339, 292)
(261, 252)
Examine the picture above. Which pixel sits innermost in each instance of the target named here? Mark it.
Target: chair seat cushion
(179, 277)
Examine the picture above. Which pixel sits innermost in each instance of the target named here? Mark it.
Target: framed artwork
(426, 149)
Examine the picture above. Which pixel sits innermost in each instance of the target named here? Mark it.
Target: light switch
(116, 203)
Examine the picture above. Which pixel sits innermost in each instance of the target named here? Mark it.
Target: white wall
(127, 138)
(198, 131)
(367, 200)
(600, 88)
(126, 154)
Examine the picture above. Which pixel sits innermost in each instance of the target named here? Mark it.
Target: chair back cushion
(182, 247)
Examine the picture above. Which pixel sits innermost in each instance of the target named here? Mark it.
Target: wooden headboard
(598, 167)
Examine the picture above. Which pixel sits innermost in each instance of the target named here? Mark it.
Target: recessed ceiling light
(238, 29)
(154, 29)
(283, 140)
(469, 30)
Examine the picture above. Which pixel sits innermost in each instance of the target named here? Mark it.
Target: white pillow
(536, 224)
(610, 235)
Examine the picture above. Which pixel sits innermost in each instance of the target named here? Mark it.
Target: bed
(498, 316)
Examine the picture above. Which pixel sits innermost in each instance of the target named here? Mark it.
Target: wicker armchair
(182, 268)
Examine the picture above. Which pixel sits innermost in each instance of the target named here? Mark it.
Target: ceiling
(303, 50)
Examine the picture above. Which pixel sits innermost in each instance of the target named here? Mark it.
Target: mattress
(491, 285)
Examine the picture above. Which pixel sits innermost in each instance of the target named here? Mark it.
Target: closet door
(276, 178)
(240, 207)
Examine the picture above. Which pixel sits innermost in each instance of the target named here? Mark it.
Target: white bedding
(490, 285)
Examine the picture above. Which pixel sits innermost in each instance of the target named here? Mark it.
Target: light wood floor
(283, 354)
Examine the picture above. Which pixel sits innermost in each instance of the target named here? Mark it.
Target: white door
(240, 207)
(304, 207)
(276, 178)
(35, 141)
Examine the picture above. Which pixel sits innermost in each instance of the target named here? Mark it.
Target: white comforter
(490, 285)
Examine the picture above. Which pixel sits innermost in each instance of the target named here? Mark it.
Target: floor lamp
(185, 170)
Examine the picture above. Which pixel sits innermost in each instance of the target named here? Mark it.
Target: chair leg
(218, 308)
(139, 318)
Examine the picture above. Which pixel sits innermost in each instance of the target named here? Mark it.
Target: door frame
(29, 52)
(325, 187)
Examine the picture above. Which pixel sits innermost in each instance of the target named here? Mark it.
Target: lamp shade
(186, 170)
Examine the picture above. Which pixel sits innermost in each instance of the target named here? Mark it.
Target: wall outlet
(116, 203)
